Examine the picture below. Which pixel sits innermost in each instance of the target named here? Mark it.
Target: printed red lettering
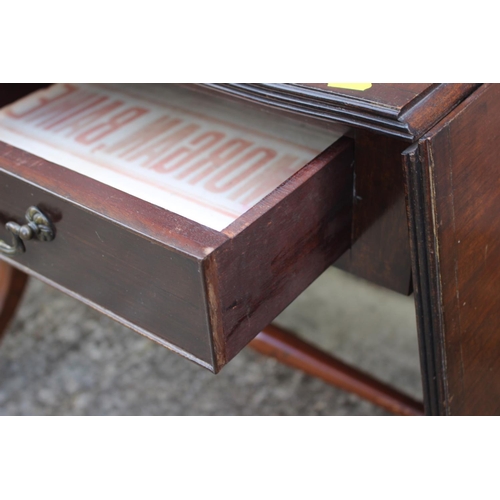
(217, 159)
(261, 157)
(205, 142)
(258, 187)
(80, 122)
(42, 102)
(156, 150)
(113, 124)
(141, 137)
(59, 115)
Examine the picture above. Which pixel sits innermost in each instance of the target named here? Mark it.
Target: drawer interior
(201, 157)
(189, 218)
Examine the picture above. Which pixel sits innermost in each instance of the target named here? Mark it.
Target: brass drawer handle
(38, 226)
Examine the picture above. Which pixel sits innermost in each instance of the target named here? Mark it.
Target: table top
(405, 110)
(388, 97)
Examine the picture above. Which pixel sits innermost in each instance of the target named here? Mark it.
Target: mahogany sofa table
(424, 219)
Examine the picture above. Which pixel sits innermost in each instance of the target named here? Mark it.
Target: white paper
(196, 155)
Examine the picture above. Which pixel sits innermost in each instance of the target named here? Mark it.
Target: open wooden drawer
(117, 243)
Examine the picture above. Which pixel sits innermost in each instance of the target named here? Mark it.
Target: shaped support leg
(292, 351)
(12, 285)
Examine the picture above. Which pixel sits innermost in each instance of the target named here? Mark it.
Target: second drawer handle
(38, 226)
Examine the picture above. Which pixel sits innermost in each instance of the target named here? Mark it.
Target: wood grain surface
(292, 351)
(401, 110)
(12, 285)
(380, 251)
(163, 275)
(454, 211)
(148, 285)
(279, 247)
(392, 96)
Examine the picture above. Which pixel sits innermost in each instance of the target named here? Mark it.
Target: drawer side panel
(281, 248)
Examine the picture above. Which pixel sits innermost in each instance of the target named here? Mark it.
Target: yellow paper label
(351, 86)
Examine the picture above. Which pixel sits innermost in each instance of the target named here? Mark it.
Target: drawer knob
(37, 227)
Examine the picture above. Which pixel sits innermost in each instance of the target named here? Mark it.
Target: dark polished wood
(380, 251)
(292, 351)
(401, 110)
(200, 292)
(389, 97)
(454, 213)
(279, 247)
(218, 289)
(12, 285)
(101, 253)
(10, 92)
(384, 118)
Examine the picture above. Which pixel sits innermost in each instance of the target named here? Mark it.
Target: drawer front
(146, 284)
(200, 292)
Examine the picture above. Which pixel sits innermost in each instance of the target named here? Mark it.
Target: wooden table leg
(292, 351)
(12, 284)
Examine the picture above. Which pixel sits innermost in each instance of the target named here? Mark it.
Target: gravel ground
(86, 364)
